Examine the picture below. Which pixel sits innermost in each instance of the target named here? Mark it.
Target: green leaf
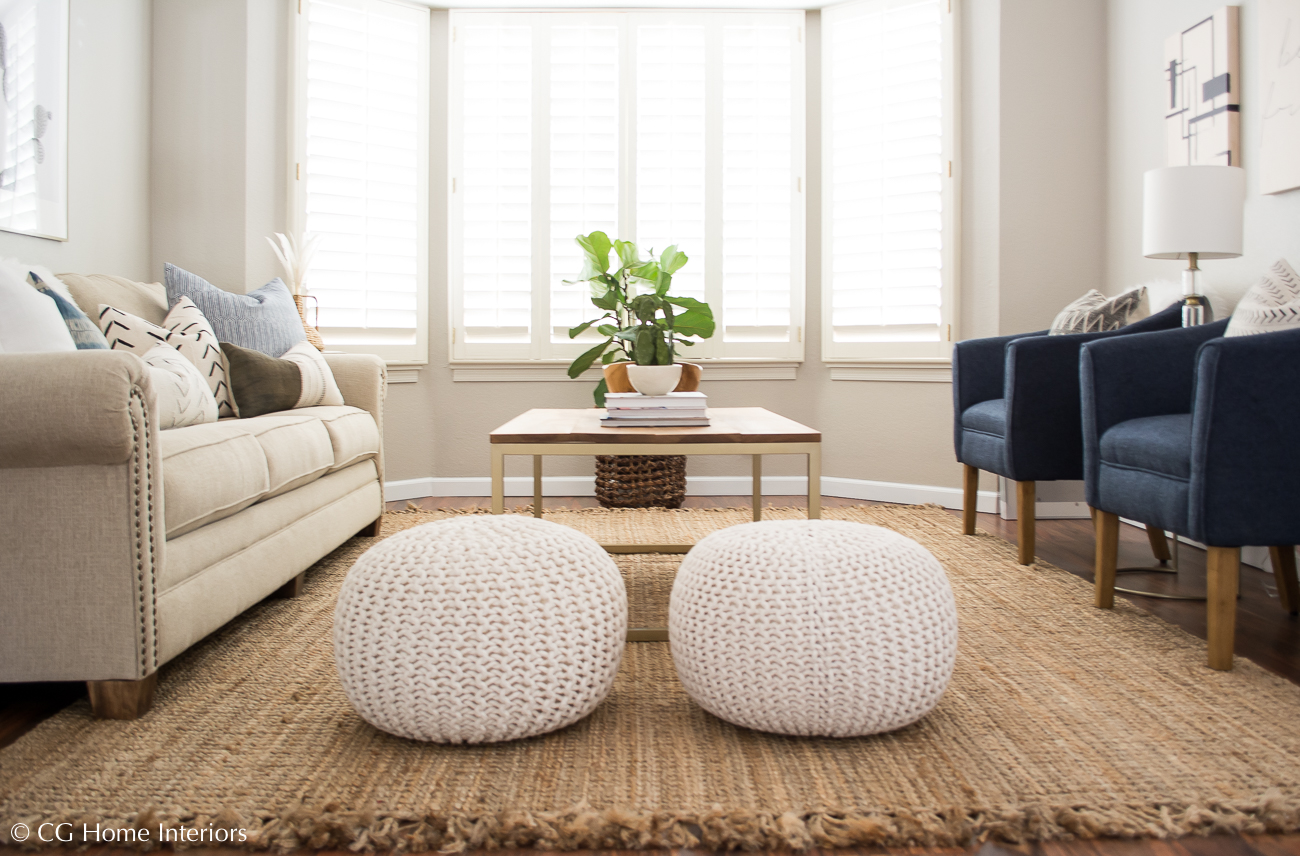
(648, 271)
(599, 393)
(606, 329)
(603, 296)
(672, 259)
(582, 363)
(628, 256)
(693, 322)
(665, 282)
(644, 350)
(628, 335)
(645, 307)
(575, 332)
(595, 247)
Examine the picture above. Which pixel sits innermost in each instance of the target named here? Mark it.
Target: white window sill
(903, 370)
(404, 371)
(484, 371)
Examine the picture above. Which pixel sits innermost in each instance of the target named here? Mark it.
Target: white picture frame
(1279, 87)
(34, 118)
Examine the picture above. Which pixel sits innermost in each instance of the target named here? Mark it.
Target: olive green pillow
(261, 384)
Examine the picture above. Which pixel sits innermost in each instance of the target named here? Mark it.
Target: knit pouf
(813, 627)
(479, 629)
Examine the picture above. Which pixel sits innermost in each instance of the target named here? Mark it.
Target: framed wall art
(1279, 87)
(34, 117)
(1202, 85)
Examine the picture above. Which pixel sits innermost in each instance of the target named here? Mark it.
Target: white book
(659, 413)
(637, 401)
(654, 423)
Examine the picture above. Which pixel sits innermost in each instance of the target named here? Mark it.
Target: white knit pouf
(813, 627)
(479, 629)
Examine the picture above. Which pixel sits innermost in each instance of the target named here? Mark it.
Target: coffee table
(749, 431)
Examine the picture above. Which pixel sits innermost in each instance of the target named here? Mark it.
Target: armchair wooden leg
(122, 699)
(970, 492)
(1288, 588)
(1026, 500)
(1159, 546)
(1107, 557)
(371, 530)
(1223, 565)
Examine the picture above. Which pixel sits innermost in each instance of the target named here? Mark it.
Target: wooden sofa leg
(1026, 500)
(970, 492)
(293, 588)
(1223, 566)
(371, 530)
(1288, 589)
(1159, 546)
(1107, 557)
(122, 699)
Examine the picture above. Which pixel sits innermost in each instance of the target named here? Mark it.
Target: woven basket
(313, 334)
(641, 481)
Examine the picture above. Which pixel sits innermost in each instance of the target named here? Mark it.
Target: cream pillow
(181, 394)
(1096, 313)
(1271, 304)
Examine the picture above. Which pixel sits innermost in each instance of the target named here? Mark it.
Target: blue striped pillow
(265, 320)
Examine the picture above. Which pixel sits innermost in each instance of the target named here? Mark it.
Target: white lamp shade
(1193, 209)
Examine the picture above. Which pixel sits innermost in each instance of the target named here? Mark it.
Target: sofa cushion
(144, 300)
(297, 446)
(353, 433)
(210, 472)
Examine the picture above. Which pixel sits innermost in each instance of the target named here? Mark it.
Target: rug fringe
(585, 828)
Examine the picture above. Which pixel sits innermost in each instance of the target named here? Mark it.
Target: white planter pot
(654, 380)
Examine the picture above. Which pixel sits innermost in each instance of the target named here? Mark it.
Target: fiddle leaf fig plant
(642, 322)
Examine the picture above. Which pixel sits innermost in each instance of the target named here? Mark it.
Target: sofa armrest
(68, 408)
(83, 511)
(1244, 469)
(363, 380)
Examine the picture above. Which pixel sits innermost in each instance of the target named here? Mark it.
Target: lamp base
(1196, 310)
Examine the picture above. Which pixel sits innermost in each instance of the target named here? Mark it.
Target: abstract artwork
(1202, 72)
(34, 117)
(1279, 86)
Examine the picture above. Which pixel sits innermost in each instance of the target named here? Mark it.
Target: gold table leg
(758, 487)
(815, 482)
(498, 481)
(537, 485)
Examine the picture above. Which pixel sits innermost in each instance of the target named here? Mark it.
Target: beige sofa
(123, 545)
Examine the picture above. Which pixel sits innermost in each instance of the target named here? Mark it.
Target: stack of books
(674, 410)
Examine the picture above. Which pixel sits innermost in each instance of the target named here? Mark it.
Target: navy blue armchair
(1191, 432)
(1016, 413)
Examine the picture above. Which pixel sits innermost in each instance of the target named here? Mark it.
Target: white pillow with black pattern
(181, 393)
(1270, 305)
(1097, 313)
(186, 330)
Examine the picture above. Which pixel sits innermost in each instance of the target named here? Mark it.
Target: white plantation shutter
(887, 193)
(363, 110)
(18, 195)
(670, 185)
(584, 159)
(658, 127)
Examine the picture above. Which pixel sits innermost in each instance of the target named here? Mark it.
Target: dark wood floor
(1265, 634)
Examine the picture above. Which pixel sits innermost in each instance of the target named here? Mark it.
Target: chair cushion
(210, 472)
(987, 416)
(352, 431)
(297, 448)
(1157, 444)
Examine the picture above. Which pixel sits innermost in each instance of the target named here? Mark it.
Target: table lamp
(1193, 213)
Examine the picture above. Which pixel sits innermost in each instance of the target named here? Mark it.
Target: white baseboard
(517, 486)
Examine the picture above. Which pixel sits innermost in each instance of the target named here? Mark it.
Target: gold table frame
(670, 442)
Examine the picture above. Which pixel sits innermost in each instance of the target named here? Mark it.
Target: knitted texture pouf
(479, 629)
(813, 627)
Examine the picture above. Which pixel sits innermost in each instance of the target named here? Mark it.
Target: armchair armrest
(1244, 466)
(69, 408)
(1044, 423)
(978, 367)
(363, 380)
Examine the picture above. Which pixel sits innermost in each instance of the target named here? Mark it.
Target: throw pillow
(181, 396)
(29, 320)
(186, 330)
(85, 335)
(265, 384)
(1271, 304)
(265, 320)
(1096, 313)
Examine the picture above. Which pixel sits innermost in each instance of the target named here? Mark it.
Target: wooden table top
(726, 425)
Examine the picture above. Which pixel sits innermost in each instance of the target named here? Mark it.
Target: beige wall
(1137, 35)
(219, 141)
(108, 145)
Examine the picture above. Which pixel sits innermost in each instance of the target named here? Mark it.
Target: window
(361, 174)
(887, 149)
(664, 128)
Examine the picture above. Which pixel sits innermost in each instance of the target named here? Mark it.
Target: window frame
(412, 354)
(540, 350)
(879, 357)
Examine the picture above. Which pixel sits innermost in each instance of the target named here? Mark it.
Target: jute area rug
(1061, 721)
